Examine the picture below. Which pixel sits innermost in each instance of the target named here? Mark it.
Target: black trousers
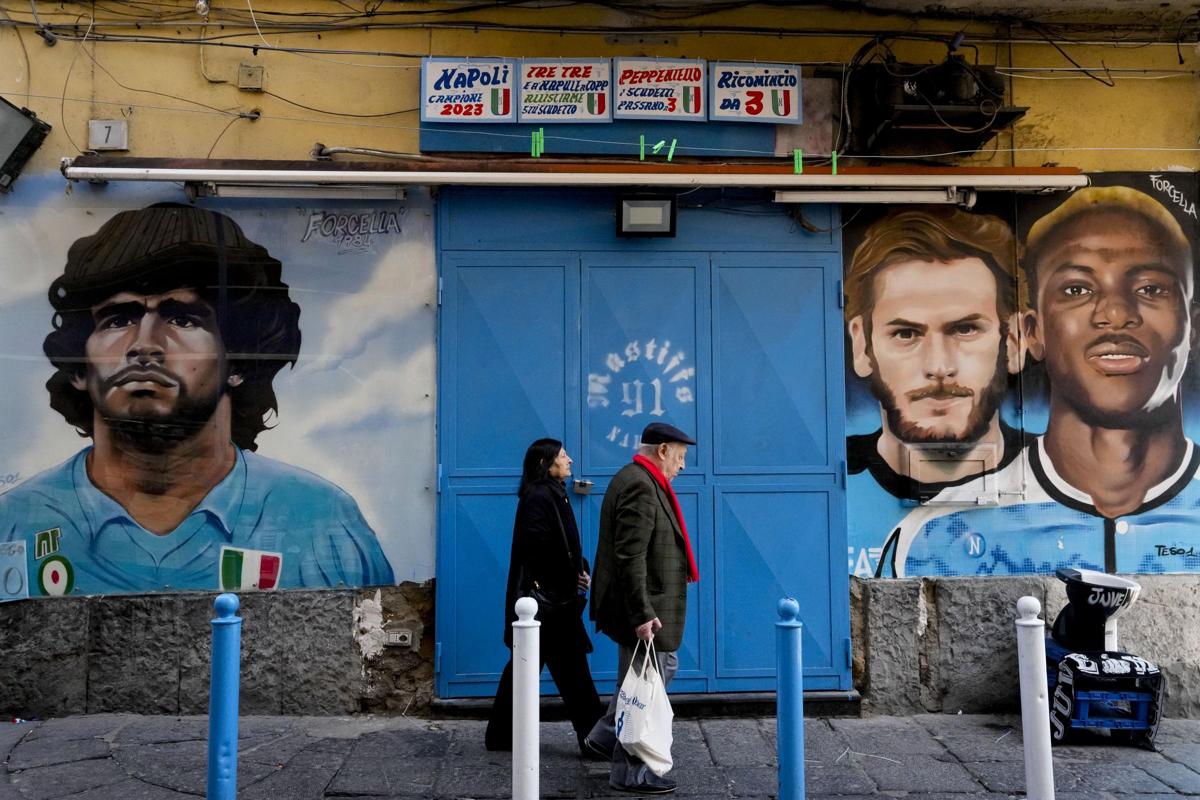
(564, 650)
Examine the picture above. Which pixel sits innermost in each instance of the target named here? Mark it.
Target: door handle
(583, 487)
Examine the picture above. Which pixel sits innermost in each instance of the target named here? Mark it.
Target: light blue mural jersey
(262, 505)
(1043, 523)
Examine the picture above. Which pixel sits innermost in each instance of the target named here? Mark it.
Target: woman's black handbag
(551, 608)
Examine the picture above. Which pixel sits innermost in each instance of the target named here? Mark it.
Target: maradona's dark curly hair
(165, 247)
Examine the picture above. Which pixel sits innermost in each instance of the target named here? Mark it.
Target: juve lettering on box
(468, 90)
(746, 92)
(660, 88)
(565, 90)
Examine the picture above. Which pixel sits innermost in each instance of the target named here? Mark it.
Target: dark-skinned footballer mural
(1019, 392)
(240, 407)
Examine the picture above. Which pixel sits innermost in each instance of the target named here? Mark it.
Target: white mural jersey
(1041, 523)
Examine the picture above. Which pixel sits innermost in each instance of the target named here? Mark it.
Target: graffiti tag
(1169, 550)
(638, 397)
(10, 479)
(351, 231)
(1178, 197)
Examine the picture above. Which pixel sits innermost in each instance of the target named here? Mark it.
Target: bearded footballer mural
(1092, 330)
(168, 332)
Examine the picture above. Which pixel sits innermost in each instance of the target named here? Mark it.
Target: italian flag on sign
(781, 102)
(249, 569)
(500, 102)
(595, 104)
(691, 99)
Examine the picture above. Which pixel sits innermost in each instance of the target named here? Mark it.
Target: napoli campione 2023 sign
(202, 398)
(1022, 388)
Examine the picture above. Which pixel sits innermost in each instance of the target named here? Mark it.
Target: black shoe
(650, 784)
(593, 751)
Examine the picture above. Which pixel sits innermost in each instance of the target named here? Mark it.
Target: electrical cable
(342, 113)
(228, 125)
(62, 107)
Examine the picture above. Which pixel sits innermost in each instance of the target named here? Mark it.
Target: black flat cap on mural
(135, 245)
(662, 433)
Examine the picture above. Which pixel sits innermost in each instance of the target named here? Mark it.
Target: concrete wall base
(920, 645)
(303, 652)
(949, 644)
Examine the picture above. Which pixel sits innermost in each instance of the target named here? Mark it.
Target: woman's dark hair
(538, 458)
(169, 246)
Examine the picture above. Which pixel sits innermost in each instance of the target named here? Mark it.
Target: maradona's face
(155, 359)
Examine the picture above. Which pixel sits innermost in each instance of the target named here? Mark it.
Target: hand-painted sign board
(659, 88)
(468, 90)
(745, 92)
(555, 90)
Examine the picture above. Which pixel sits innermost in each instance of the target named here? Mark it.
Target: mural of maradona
(169, 328)
(1111, 483)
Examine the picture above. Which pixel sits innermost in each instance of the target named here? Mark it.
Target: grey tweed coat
(640, 570)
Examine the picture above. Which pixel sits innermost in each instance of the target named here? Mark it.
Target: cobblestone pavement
(129, 757)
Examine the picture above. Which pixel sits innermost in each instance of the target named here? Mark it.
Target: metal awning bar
(859, 179)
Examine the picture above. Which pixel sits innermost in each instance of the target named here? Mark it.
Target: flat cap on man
(662, 433)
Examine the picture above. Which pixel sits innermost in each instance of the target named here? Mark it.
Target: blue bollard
(223, 699)
(789, 700)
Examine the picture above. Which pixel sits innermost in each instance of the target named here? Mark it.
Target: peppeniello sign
(549, 91)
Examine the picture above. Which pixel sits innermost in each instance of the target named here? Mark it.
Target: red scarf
(661, 480)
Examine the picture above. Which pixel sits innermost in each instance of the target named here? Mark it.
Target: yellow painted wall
(179, 98)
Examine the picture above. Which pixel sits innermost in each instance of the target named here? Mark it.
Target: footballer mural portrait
(167, 332)
(1104, 473)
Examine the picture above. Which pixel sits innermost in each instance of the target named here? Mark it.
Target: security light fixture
(21, 134)
(295, 191)
(945, 196)
(645, 215)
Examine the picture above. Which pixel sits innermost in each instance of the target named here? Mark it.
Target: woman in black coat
(546, 563)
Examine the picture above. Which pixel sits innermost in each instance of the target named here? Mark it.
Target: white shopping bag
(644, 714)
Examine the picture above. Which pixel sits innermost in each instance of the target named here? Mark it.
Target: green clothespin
(642, 147)
(671, 152)
(835, 162)
(798, 161)
(661, 143)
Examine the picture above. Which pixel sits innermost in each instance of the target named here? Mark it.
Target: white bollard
(1035, 700)
(527, 668)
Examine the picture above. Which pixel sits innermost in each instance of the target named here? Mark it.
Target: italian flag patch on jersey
(56, 577)
(249, 569)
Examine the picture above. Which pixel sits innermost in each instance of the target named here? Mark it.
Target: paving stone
(132, 790)
(317, 757)
(422, 742)
(822, 744)
(887, 736)
(737, 742)
(923, 771)
(751, 781)
(1178, 776)
(274, 750)
(63, 779)
(181, 766)
(689, 748)
(82, 727)
(457, 781)
(385, 775)
(699, 781)
(147, 730)
(1119, 778)
(841, 778)
(46, 751)
(292, 783)
(11, 734)
(1009, 776)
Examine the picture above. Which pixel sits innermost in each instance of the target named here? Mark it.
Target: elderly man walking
(643, 564)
